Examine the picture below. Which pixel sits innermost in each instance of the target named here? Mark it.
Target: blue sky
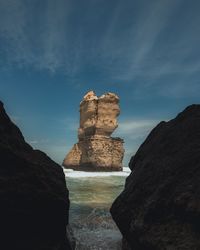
(53, 51)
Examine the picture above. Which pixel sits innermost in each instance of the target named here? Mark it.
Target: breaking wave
(70, 173)
(97, 231)
(91, 196)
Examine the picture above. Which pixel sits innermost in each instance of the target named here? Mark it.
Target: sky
(53, 51)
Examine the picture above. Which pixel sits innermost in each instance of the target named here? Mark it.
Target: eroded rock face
(33, 195)
(160, 205)
(96, 149)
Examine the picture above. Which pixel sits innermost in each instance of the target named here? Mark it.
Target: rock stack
(96, 150)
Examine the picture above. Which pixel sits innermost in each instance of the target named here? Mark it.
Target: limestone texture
(96, 150)
(159, 208)
(34, 201)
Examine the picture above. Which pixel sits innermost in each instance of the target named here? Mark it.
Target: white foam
(70, 173)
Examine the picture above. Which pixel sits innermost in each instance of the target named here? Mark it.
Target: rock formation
(96, 150)
(160, 205)
(33, 194)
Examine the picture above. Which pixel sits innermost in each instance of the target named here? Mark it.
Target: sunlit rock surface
(96, 150)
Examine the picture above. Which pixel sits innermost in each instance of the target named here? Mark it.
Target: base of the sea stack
(96, 154)
(92, 168)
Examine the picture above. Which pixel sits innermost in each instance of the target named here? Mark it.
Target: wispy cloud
(180, 89)
(135, 128)
(35, 33)
(150, 24)
(38, 142)
(134, 131)
(140, 42)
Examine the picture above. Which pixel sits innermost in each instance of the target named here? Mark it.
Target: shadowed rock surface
(96, 150)
(34, 202)
(160, 205)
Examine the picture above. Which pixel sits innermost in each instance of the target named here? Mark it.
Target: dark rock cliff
(34, 200)
(160, 205)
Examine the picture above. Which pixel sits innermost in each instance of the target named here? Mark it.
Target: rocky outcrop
(96, 149)
(33, 194)
(160, 205)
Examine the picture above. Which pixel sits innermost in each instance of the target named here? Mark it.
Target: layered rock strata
(96, 150)
(33, 195)
(160, 205)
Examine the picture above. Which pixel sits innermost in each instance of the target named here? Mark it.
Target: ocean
(91, 196)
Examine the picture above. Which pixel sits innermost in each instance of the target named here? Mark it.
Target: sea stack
(96, 150)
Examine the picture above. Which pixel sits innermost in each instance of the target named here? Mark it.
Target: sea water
(91, 196)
